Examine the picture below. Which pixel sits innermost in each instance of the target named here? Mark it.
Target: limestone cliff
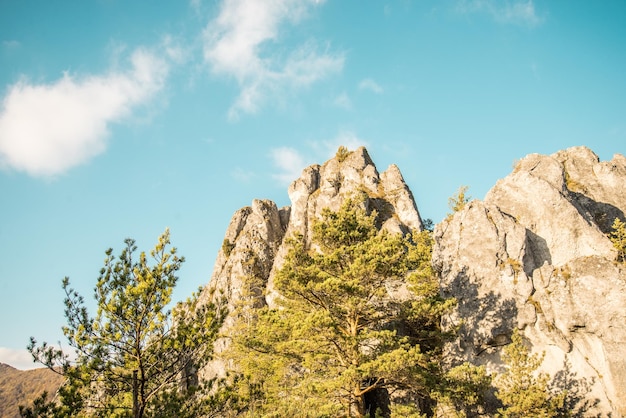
(253, 245)
(535, 255)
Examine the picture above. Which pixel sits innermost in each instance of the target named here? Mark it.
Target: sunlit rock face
(254, 243)
(535, 255)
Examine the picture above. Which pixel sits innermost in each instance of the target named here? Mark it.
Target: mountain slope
(19, 387)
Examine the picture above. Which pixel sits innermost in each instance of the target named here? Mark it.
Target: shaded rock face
(535, 255)
(254, 243)
(251, 242)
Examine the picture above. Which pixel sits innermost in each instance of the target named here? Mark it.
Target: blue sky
(119, 119)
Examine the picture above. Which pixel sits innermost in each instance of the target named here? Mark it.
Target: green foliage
(134, 352)
(332, 342)
(458, 201)
(618, 238)
(41, 408)
(406, 411)
(462, 390)
(523, 391)
(209, 399)
(342, 154)
(227, 247)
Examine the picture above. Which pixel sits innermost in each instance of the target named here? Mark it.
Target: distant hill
(19, 387)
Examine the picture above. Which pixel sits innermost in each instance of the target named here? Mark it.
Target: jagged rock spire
(253, 243)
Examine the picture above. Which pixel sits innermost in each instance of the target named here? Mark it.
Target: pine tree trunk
(135, 395)
(359, 402)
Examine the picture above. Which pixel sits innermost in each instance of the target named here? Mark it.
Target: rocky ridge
(534, 255)
(253, 247)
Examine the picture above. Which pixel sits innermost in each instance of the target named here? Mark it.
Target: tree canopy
(523, 392)
(135, 357)
(355, 332)
(358, 319)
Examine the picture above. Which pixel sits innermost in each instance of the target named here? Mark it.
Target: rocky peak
(328, 185)
(569, 199)
(535, 256)
(253, 246)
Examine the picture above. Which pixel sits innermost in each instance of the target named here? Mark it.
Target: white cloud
(290, 163)
(508, 11)
(346, 138)
(20, 359)
(236, 44)
(45, 129)
(371, 85)
(174, 50)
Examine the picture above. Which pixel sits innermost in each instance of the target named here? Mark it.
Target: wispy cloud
(242, 174)
(371, 85)
(11, 44)
(45, 129)
(346, 138)
(236, 44)
(173, 49)
(506, 11)
(290, 162)
(20, 359)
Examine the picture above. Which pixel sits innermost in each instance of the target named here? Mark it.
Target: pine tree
(135, 357)
(332, 348)
(523, 391)
(42, 407)
(458, 201)
(618, 238)
(462, 391)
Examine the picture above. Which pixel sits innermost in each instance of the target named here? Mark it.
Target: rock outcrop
(535, 255)
(253, 247)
